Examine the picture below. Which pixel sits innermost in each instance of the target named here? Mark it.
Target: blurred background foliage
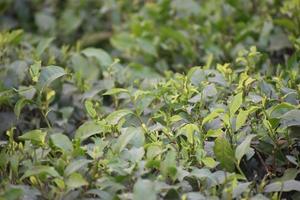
(162, 34)
(152, 39)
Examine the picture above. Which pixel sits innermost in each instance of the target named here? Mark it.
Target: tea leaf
(123, 140)
(224, 153)
(61, 141)
(212, 115)
(116, 116)
(114, 91)
(243, 148)
(102, 57)
(48, 75)
(40, 170)
(291, 118)
(241, 119)
(35, 136)
(20, 105)
(189, 131)
(89, 106)
(236, 103)
(280, 109)
(75, 165)
(144, 189)
(75, 180)
(89, 129)
(286, 186)
(43, 45)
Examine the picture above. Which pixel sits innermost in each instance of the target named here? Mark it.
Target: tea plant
(180, 100)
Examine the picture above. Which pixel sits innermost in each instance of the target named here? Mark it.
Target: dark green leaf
(116, 116)
(286, 186)
(89, 129)
(48, 75)
(224, 153)
(20, 105)
(40, 170)
(280, 109)
(102, 57)
(61, 141)
(76, 165)
(291, 118)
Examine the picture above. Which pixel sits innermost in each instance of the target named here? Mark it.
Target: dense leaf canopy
(149, 99)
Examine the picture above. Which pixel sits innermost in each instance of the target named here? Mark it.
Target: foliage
(149, 99)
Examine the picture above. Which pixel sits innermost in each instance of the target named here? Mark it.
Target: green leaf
(279, 110)
(34, 71)
(175, 118)
(286, 186)
(42, 46)
(96, 150)
(75, 165)
(4, 159)
(289, 174)
(153, 150)
(123, 140)
(191, 72)
(212, 115)
(291, 118)
(243, 148)
(89, 129)
(89, 106)
(209, 162)
(287, 23)
(147, 46)
(20, 105)
(40, 170)
(241, 119)
(12, 37)
(59, 182)
(241, 188)
(27, 92)
(69, 21)
(189, 130)
(48, 75)
(224, 153)
(62, 141)
(14, 162)
(75, 180)
(214, 133)
(236, 103)
(114, 91)
(116, 116)
(12, 194)
(168, 165)
(35, 136)
(101, 56)
(142, 102)
(123, 41)
(144, 189)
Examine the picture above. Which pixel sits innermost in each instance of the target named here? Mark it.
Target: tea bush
(149, 99)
